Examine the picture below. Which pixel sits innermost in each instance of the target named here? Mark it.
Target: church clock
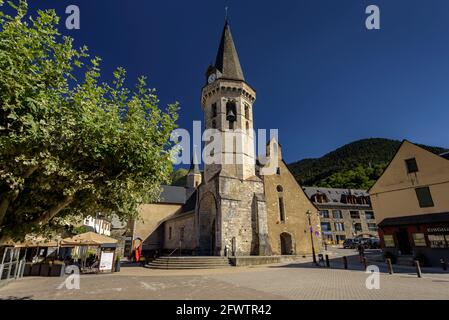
(212, 77)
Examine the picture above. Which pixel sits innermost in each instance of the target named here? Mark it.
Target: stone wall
(181, 228)
(242, 203)
(150, 219)
(296, 205)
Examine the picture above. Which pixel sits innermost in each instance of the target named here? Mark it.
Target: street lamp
(309, 214)
(354, 230)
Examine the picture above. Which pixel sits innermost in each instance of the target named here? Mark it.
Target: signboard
(419, 240)
(438, 230)
(106, 261)
(389, 241)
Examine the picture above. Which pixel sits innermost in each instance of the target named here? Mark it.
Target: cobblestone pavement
(299, 280)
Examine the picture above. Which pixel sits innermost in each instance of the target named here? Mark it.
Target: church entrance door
(286, 244)
(207, 225)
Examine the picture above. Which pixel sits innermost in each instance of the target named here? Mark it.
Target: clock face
(212, 78)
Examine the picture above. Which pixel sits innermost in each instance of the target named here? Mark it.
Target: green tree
(179, 177)
(71, 146)
(358, 178)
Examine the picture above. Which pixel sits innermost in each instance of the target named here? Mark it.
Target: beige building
(231, 209)
(411, 201)
(344, 213)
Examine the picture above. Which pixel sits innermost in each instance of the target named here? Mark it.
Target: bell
(230, 116)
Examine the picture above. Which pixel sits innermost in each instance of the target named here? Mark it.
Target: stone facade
(179, 232)
(234, 212)
(288, 227)
(148, 226)
(231, 209)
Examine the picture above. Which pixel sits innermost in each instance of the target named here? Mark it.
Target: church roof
(227, 61)
(445, 155)
(173, 195)
(334, 195)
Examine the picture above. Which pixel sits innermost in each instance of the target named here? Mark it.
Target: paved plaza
(297, 280)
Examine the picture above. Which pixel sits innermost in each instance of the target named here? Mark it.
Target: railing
(12, 270)
(171, 253)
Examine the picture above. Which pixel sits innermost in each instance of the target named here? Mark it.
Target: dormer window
(321, 198)
(412, 165)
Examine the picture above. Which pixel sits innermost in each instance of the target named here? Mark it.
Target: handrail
(168, 257)
(172, 252)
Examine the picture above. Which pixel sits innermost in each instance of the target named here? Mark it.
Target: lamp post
(354, 231)
(309, 214)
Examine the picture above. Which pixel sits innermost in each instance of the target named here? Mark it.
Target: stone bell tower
(231, 215)
(227, 102)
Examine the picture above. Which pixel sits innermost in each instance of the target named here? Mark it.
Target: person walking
(361, 251)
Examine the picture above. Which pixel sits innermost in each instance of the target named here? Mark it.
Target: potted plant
(57, 269)
(45, 269)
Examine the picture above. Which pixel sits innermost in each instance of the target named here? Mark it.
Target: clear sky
(321, 77)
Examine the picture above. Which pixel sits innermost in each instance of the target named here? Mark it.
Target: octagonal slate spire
(227, 61)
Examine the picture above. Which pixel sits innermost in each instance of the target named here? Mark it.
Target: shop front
(422, 237)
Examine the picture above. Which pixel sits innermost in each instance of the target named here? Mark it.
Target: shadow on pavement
(12, 298)
(355, 264)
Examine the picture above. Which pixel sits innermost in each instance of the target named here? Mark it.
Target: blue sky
(321, 77)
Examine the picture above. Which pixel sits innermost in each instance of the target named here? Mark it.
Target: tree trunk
(52, 212)
(12, 196)
(4, 205)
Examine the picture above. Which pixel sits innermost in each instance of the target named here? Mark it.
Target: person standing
(361, 251)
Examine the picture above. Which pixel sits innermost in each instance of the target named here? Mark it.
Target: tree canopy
(71, 145)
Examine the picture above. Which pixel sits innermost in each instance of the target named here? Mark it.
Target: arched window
(181, 233)
(246, 111)
(281, 209)
(279, 188)
(247, 126)
(214, 110)
(275, 149)
(231, 113)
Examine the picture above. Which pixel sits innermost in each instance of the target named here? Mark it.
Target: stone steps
(189, 263)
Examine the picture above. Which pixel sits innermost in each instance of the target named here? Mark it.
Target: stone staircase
(194, 262)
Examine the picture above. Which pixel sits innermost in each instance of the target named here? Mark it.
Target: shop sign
(444, 229)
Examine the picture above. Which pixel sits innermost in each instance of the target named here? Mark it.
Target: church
(231, 209)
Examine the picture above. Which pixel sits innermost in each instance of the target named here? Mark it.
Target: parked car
(351, 243)
(374, 243)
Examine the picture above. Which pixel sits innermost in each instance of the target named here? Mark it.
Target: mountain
(355, 165)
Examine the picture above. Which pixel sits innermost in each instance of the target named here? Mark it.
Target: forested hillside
(355, 165)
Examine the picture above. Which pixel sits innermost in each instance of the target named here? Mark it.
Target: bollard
(390, 266)
(418, 269)
(443, 264)
(365, 263)
(345, 262)
(327, 261)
